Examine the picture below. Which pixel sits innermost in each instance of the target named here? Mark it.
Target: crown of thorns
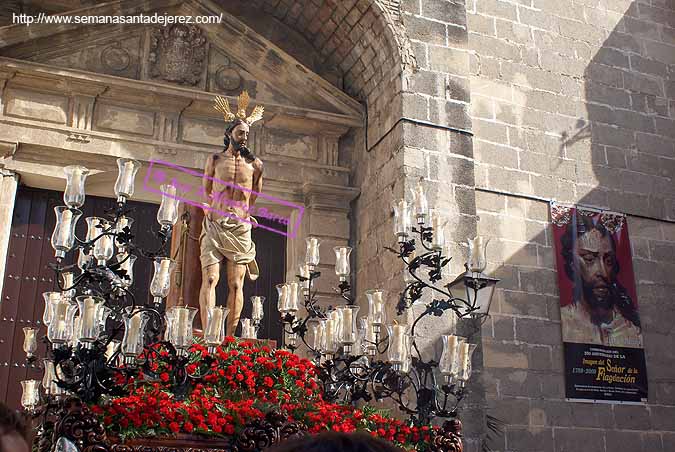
(222, 105)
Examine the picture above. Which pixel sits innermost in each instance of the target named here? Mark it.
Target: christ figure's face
(240, 135)
(595, 262)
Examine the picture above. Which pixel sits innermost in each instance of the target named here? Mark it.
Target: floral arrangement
(239, 383)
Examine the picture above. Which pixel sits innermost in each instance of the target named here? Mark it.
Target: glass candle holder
(90, 312)
(30, 341)
(349, 331)
(134, 332)
(124, 186)
(376, 310)
(161, 281)
(74, 338)
(50, 298)
(449, 357)
(123, 222)
(104, 245)
(331, 336)
(465, 353)
(214, 334)
(399, 343)
(318, 339)
(282, 301)
(67, 280)
(312, 256)
(369, 340)
(60, 329)
(420, 204)
(257, 308)
(181, 330)
(402, 224)
(48, 376)
(247, 329)
(342, 254)
(127, 264)
(477, 254)
(304, 271)
(292, 299)
(63, 236)
(167, 215)
(94, 227)
(74, 194)
(336, 316)
(30, 398)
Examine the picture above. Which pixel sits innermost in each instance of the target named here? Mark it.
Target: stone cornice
(150, 94)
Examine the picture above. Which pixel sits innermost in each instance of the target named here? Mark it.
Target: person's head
(590, 261)
(237, 134)
(336, 442)
(589, 251)
(12, 431)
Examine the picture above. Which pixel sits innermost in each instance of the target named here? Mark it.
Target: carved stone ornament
(115, 58)
(177, 54)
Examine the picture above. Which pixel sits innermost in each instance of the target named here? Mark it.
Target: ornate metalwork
(77, 424)
(449, 439)
(353, 375)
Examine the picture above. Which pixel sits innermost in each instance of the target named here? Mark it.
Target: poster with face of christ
(601, 329)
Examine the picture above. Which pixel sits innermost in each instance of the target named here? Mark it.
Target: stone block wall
(570, 101)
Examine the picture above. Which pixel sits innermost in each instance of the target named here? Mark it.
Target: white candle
(330, 334)
(257, 312)
(292, 303)
(134, 329)
(283, 298)
(66, 218)
(164, 269)
(128, 177)
(89, 315)
(181, 322)
(347, 323)
(216, 320)
(398, 340)
(29, 341)
(464, 355)
(67, 280)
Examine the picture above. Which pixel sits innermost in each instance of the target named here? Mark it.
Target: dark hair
(244, 151)
(337, 442)
(581, 225)
(11, 422)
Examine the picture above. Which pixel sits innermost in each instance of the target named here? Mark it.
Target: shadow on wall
(624, 151)
(621, 157)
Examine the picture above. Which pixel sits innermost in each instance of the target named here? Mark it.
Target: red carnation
(174, 427)
(164, 377)
(188, 427)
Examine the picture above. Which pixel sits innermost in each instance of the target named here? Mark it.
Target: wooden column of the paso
(188, 274)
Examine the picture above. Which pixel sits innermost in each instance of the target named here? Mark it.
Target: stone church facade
(499, 106)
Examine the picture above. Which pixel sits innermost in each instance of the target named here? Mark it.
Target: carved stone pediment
(222, 58)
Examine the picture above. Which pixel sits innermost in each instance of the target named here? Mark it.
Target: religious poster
(602, 334)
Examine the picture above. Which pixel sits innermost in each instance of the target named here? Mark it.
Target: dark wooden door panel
(28, 276)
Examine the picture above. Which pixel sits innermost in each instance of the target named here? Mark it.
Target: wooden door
(27, 274)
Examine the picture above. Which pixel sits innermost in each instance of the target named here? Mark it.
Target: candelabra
(98, 335)
(346, 352)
